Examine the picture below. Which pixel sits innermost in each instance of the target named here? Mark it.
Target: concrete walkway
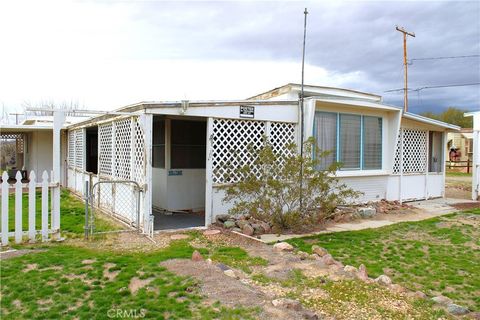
(425, 209)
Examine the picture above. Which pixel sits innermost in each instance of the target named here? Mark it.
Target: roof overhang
(433, 122)
(357, 103)
(23, 128)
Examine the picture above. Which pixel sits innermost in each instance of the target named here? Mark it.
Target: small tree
(272, 189)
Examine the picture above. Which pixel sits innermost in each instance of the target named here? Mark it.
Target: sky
(106, 54)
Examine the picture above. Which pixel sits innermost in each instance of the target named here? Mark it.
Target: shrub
(273, 190)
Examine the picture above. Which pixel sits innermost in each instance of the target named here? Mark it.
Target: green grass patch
(458, 174)
(438, 255)
(72, 214)
(236, 257)
(60, 285)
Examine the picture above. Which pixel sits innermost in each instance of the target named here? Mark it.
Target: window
(189, 147)
(354, 140)
(158, 143)
(91, 151)
(435, 150)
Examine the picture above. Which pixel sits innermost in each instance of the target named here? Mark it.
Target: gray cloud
(342, 37)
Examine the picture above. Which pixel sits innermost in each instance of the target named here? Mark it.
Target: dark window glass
(188, 144)
(91, 148)
(158, 143)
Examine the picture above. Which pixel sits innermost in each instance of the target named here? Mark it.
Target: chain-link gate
(117, 198)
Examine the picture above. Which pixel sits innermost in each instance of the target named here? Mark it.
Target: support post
(209, 175)
(147, 122)
(87, 191)
(58, 121)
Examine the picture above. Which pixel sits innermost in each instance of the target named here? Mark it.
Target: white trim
(416, 117)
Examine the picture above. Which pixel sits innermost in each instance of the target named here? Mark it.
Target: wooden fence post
(5, 208)
(44, 206)
(31, 207)
(18, 208)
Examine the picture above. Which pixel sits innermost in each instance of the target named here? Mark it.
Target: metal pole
(302, 107)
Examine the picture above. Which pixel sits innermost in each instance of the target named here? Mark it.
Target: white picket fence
(45, 230)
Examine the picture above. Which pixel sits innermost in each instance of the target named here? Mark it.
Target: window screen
(326, 135)
(188, 149)
(158, 143)
(350, 141)
(372, 143)
(435, 161)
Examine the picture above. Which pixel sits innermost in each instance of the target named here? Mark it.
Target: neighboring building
(462, 142)
(476, 154)
(182, 152)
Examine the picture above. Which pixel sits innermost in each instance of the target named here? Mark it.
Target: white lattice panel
(123, 148)
(105, 148)
(138, 152)
(230, 142)
(71, 148)
(79, 148)
(415, 152)
(280, 135)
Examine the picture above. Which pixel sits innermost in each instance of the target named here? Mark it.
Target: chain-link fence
(118, 198)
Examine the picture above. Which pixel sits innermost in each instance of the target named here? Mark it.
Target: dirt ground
(458, 187)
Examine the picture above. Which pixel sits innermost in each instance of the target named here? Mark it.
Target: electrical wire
(410, 61)
(435, 87)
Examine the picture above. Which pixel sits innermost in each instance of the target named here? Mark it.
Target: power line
(435, 87)
(443, 58)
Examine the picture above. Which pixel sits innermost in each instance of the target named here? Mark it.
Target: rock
(442, 300)
(196, 256)
(350, 269)
(328, 259)
(362, 273)
(229, 224)
(319, 250)
(221, 218)
(257, 228)
(397, 288)
(248, 230)
(287, 304)
(457, 310)
(230, 273)
(242, 223)
(266, 227)
(283, 246)
(222, 267)
(384, 280)
(310, 315)
(303, 255)
(237, 230)
(209, 261)
(178, 236)
(419, 295)
(211, 232)
(367, 212)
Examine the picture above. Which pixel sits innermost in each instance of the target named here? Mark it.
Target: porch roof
(419, 118)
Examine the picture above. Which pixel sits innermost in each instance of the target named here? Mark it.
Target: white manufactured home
(176, 155)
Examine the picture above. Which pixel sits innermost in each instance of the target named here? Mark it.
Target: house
(179, 154)
(476, 154)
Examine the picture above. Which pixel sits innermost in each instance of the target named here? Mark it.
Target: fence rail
(44, 229)
(460, 164)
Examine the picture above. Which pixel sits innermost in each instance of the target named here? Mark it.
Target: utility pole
(16, 116)
(405, 90)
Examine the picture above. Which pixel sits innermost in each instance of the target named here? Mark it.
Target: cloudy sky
(106, 54)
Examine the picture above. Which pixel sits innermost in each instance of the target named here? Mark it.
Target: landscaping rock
(442, 300)
(319, 250)
(362, 273)
(237, 230)
(257, 228)
(457, 310)
(283, 246)
(229, 224)
(196, 256)
(242, 223)
(420, 295)
(328, 260)
(287, 304)
(350, 269)
(248, 230)
(384, 280)
(211, 232)
(222, 267)
(266, 227)
(230, 273)
(303, 255)
(367, 212)
(221, 218)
